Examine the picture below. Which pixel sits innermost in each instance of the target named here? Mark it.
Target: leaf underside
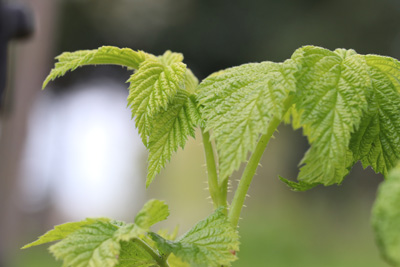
(69, 61)
(377, 141)
(331, 96)
(62, 231)
(348, 107)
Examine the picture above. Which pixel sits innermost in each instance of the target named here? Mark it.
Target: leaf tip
(26, 246)
(298, 186)
(46, 82)
(149, 180)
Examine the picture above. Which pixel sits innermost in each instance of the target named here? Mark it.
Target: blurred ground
(322, 227)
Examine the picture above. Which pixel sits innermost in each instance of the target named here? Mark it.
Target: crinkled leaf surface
(153, 87)
(161, 91)
(69, 61)
(62, 231)
(170, 130)
(101, 242)
(238, 103)
(164, 108)
(377, 141)
(211, 242)
(332, 89)
(133, 255)
(92, 245)
(386, 217)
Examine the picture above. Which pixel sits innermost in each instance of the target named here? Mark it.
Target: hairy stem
(217, 195)
(250, 170)
(162, 261)
(223, 189)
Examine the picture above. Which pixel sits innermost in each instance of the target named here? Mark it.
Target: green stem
(162, 261)
(223, 189)
(250, 170)
(213, 185)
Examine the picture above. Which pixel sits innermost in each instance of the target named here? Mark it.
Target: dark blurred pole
(15, 23)
(31, 62)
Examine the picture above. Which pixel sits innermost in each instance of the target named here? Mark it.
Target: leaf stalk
(251, 167)
(217, 190)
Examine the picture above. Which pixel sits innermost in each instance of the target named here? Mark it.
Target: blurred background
(72, 151)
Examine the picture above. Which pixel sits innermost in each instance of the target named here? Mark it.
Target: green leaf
(170, 130)
(92, 245)
(332, 89)
(174, 261)
(103, 244)
(297, 186)
(62, 231)
(157, 91)
(191, 82)
(134, 255)
(167, 235)
(152, 212)
(388, 66)
(69, 61)
(211, 242)
(292, 117)
(169, 58)
(238, 103)
(128, 231)
(153, 87)
(386, 217)
(377, 141)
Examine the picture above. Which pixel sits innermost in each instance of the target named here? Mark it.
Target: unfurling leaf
(161, 91)
(69, 61)
(153, 87)
(165, 110)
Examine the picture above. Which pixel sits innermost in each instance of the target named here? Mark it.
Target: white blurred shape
(83, 153)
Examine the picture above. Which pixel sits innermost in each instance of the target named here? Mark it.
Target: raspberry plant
(347, 104)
